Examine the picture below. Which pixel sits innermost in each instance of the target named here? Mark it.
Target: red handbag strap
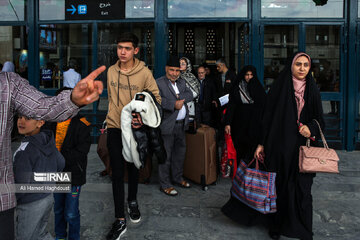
(251, 162)
(261, 160)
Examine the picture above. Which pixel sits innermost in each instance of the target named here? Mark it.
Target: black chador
(281, 141)
(246, 103)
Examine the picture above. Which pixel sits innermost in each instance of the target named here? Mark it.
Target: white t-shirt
(71, 78)
(182, 112)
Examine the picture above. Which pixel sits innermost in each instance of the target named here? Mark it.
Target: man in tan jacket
(125, 78)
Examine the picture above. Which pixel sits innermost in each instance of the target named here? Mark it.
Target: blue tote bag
(254, 187)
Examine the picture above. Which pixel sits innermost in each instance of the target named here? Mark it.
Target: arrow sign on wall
(73, 9)
(94, 9)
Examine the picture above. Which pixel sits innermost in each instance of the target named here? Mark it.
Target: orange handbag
(318, 159)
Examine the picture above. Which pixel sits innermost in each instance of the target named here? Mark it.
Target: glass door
(204, 43)
(243, 45)
(323, 44)
(279, 42)
(14, 49)
(61, 47)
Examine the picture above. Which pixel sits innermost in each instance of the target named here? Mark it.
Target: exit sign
(94, 9)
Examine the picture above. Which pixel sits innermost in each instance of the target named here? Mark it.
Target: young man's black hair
(128, 37)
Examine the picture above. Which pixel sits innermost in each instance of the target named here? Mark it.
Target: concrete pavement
(195, 214)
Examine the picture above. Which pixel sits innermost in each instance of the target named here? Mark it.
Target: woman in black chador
(292, 104)
(243, 115)
(243, 121)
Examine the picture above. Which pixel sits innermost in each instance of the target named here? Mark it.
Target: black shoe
(117, 230)
(134, 213)
(274, 235)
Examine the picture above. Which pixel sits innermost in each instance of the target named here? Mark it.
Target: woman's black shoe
(274, 235)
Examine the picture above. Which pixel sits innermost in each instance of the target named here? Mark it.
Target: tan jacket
(122, 88)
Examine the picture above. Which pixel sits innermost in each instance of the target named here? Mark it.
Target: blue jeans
(66, 209)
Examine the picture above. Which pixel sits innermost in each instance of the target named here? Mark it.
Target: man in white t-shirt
(71, 77)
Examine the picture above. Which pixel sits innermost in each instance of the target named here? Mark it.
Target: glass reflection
(333, 131)
(323, 45)
(52, 9)
(58, 45)
(280, 42)
(13, 45)
(139, 8)
(12, 10)
(301, 9)
(207, 9)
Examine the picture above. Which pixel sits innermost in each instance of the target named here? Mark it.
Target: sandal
(169, 191)
(184, 184)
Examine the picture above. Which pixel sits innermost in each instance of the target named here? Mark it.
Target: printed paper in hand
(224, 99)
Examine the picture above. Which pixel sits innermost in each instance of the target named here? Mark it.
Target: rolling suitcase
(200, 161)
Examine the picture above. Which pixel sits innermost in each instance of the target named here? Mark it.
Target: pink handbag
(318, 159)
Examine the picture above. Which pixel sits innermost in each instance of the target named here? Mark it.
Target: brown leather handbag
(318, 159)
(103, 152)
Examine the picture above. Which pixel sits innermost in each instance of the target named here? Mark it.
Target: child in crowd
(37, 153)
(73, 141)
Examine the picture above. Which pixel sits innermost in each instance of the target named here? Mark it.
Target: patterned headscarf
(190, 78)
(188, 64)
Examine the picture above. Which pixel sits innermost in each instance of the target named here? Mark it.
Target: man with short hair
(224, 84)
(174, 95)
(18, 96)
(125, 78)
(208, 73)
(207, 98)
(71, 76)
(226, 77)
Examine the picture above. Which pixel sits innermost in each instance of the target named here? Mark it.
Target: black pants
(294, 214)
(7, 224)
(117, 162)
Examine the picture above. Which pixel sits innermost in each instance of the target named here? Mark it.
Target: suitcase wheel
(203, 183)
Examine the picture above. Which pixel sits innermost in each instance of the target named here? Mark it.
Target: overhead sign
(94, 9)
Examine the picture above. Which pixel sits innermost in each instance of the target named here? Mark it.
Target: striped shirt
(18, 96)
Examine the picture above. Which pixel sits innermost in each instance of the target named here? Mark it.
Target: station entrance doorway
(207, 42)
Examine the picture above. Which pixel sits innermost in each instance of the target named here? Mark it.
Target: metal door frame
(247, 40)
(356, 129)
